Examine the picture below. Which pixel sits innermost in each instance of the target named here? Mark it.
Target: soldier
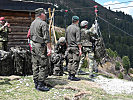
(87, 39)
(4, 31)
(40, 46)
(74, 47)
(59, 55)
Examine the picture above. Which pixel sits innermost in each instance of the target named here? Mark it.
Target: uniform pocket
(39, 50)
(43, 61)
(76, 56)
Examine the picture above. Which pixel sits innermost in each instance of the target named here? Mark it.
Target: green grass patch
(23, 89)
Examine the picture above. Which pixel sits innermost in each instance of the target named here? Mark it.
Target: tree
(126, 63)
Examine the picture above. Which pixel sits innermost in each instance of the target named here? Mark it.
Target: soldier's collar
(75, 24)
(39, 18)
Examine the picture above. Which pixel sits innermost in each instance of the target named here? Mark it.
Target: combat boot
(42, 87)
(92, 75)
(96, 71)
(73, 78)
(36, 83)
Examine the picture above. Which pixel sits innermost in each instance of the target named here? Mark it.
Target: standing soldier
(87, 39)
(73, 39)
(40, 45)
(59, 56)
(4, 31)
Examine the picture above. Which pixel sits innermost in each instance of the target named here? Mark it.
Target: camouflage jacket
(85, 37)
(72, 35)
(39, 31)
(60, 48)
(4, 33)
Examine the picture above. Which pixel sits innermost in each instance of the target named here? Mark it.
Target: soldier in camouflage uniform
(73, 40)
(4, 31)
(40, 46)
(87, 38)
(59, 56)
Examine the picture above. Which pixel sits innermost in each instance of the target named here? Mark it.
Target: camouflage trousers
(39, 62)
(73, 60)
(57, 61)
(3, 45)
(92, 65)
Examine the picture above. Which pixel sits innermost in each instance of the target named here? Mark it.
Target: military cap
(40, 10)
(75, 18)
(2, 18)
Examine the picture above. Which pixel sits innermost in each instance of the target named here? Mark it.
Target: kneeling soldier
(59, 56)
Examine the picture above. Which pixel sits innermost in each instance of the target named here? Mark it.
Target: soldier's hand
(49, 52)
(6, 24)
(80, 52)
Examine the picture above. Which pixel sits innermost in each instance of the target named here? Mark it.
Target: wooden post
(51, 24)
(49, 9)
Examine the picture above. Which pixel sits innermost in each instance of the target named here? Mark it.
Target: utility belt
(37, 39)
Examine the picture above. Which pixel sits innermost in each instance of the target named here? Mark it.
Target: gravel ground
(115, 86)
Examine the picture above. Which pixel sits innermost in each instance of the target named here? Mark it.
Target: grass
(23, 89)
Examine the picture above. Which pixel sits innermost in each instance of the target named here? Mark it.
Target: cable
(83, 7)
(116, 27)
(122, 7)
(106, 5)
(118, 3)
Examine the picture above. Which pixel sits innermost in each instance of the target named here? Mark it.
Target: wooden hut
(19, 14)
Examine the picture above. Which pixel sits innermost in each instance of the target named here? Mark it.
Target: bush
(111, 53)
(58, 35)
(117, 66)
(85, 64)
(126, 63)
(120, 76)
(115, 54)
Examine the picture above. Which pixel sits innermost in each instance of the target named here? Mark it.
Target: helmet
(62, 40)
(83, 23)
(40, 10)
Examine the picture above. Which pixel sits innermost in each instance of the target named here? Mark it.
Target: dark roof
(22, 5)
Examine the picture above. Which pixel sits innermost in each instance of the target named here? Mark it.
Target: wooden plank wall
(20, 22)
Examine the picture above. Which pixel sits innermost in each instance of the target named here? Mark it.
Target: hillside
(113, 37)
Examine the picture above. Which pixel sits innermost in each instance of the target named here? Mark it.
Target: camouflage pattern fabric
(73, 60)
(17, 62)
(40, 37)
(21, 61)
(73, 38)
(40, 62)
(100, 51)
(87, 39)
(57, 60)
(3, 38)
(6, 65)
